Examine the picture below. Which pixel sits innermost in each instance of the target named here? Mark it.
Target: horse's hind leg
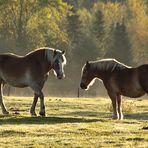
(144, 79)
(145, 86)
(119, 107)
(4, 111)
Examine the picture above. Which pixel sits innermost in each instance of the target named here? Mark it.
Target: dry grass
(73, 122)
(128, 106)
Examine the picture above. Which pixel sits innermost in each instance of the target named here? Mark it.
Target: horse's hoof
(33, 114)
(114, 117)
(5, 112)
(121, 118)
(42, 114)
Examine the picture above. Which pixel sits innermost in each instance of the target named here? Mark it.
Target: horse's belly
(16, 83)
(135, 94)
(21, 81)
(133, 91)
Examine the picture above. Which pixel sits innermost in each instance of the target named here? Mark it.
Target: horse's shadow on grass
(66, 118)
(108, 115)
(137, 116)
(44, 120)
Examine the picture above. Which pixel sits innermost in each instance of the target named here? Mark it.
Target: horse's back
(143, 68)
(9, 57)
(11, 62)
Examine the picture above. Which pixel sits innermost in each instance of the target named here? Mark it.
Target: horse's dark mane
(108, 65)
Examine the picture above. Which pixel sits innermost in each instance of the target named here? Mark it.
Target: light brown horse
(118, 79)
(31, 71)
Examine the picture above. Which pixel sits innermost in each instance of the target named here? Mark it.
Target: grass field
(73, 122)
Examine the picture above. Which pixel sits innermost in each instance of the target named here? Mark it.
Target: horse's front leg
(4, 111)
(119, 107)
(32, 110)
(42, 106)
(38, 92)
(113, 97)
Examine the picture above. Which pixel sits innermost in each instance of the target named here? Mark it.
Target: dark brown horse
(31, 71)
(118, 79)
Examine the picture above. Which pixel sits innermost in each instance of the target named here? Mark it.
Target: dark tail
(143, 76)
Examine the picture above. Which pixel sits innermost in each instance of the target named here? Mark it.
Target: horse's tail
(143, 77)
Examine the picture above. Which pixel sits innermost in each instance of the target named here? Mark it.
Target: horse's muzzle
(60, 76)
(83, 86)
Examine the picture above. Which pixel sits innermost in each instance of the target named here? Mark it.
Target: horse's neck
(100, 72)
(46, 64)
(42, 59)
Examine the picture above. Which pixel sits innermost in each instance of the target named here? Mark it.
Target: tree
(30, 24)
(98, 30)
(73, 26)
(98, 25)
(121, 47)
(137, 21)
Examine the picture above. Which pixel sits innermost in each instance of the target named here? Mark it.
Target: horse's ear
(87, 64)
(63, 52)
(54, 53)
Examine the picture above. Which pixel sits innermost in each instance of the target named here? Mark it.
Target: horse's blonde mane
(65, 61)
(48, 52)
(49, 55)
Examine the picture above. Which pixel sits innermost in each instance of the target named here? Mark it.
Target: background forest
(86, 29)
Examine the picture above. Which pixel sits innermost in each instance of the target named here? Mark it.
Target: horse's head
(87, 76)
(59, 61)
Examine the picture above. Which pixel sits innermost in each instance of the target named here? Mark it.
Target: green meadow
(74, 122)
